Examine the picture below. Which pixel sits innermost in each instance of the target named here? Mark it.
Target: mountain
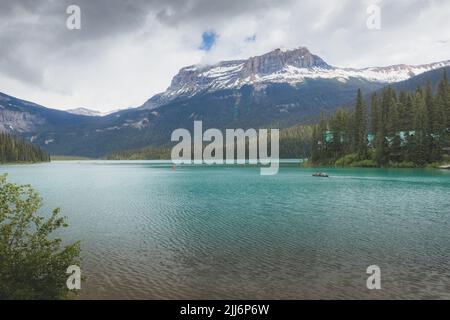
(278, 66)
(40, 125)
(85, 112)
(92, 113)
(433, 77)
(278, 89)
(22, 117)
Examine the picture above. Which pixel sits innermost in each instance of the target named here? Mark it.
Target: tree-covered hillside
(278, 105)
(399, 129)
(295, 143)
(17, 150)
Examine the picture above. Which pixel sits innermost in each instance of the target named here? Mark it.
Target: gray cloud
(37, 27)
(128, 50)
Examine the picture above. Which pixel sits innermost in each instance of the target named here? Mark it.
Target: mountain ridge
(85, 112)
(272, 100)
(291, 66)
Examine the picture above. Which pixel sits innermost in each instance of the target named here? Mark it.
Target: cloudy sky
(127, 50)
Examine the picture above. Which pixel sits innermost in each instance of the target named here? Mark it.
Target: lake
(226, 232)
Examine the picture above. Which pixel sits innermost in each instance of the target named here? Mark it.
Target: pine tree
(17, 150)
(339, 125)
(315, 150)
(408, 114)
(374, 114)
(411, 127)
(420, 155)
(442, 109)
(360, 135)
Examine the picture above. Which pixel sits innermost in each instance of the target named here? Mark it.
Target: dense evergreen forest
(17, 150)
(149, 153)
(295, 143)
(398, 129)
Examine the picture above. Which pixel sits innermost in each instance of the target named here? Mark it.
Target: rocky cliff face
(18, 122)
(277, 60)
(282, 87)
(234, 74)
(278, 66)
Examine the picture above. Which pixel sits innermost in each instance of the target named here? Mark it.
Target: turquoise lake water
(149, 232)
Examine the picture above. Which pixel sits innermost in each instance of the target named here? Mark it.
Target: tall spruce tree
(360, 131)
(411, 127)
(374, 114)
(420, 152)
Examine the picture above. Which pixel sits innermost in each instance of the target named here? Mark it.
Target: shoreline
(299, 162)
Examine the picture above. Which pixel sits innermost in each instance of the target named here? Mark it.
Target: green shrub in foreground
(32, 265)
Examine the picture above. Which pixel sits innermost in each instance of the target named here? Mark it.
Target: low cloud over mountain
(127, 51)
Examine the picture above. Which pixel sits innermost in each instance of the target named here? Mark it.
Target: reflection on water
(148, 231)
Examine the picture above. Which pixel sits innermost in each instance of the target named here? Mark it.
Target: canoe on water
(320, 174)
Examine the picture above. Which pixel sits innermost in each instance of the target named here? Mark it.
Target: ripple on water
(150, 232)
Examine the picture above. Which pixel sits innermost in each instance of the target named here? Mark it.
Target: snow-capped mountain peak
(85, 112)
(290, 66)
(93, 113)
